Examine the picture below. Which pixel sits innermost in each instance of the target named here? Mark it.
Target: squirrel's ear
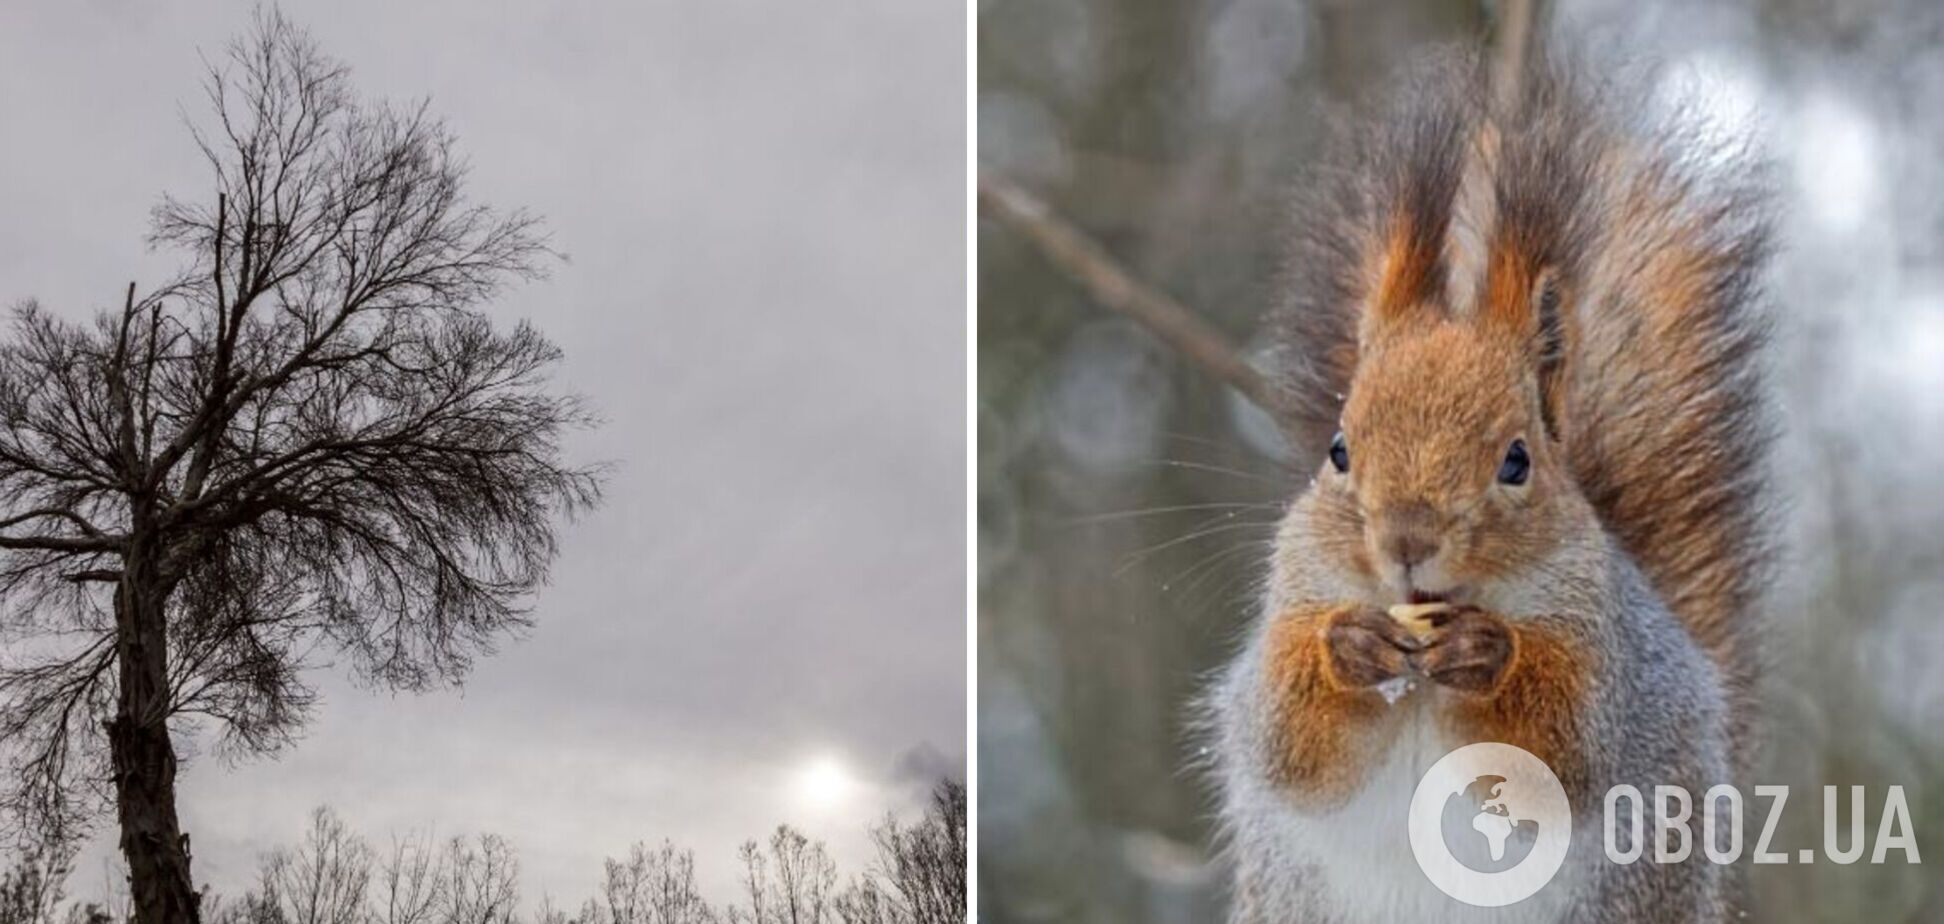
(1529, 305)
(1406, 256)
(1548, 344)
(1409, 277)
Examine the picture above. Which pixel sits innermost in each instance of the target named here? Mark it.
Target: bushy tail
(1664, 230)
(1669, 408)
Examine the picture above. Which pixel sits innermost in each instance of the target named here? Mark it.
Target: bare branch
(1110, 285)
(55, 512)
(1512, 37)
(103, 575)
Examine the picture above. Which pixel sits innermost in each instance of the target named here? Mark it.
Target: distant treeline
(334, 875)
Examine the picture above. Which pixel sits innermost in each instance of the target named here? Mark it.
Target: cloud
(924, 766)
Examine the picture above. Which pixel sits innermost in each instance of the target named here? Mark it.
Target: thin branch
(1511, 41)
(1087, 262)
(60, 543)
(98, 575)
(55, 512)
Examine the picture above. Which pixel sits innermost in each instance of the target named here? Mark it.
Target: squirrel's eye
(1517, 464)
(1339, 453)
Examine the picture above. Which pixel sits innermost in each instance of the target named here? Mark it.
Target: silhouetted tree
(863, 902)
(311, 441)
(549, 913)
(253, 907)
(411, 882)
(654, 887)
(482, 881)
(32, 888)
(333, 876)
(323, 880)
(924, 864)
(794, 883)
(755, 882)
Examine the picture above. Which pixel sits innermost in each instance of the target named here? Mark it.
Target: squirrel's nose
(1411, 547)
(1409, 536)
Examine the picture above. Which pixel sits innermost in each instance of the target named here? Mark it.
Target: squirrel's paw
(1367, 647)
(1467, 650)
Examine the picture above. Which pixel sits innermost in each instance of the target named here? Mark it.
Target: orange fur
(1509, 279)
(1409, 270)
(1324, 726)
(1328, 730)
(1430, 415)
(1537, 702)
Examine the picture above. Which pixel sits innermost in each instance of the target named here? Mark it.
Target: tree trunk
(144, 758)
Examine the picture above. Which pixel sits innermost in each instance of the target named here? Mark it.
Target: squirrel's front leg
(1522, 682)
(1323, 663)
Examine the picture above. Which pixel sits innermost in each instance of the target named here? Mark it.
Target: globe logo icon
(1482, 831)
(1490, 824)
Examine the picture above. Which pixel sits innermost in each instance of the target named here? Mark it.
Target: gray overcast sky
(764, 207)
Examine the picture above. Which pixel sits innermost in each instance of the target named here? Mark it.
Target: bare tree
(252, 907)
(333, 876)
(411, 882)
(920, 873)
(325, 878)
(863, 902)
(675, 897)
(794, 883)
(806, 878)
(312, 441)
(32, 889)
(482, 881)
(755, 883)
(654, 887)
(90, 913)
(624, 888)
(924, 864)
(549, 913)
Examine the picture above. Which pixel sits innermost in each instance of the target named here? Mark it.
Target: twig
(1090, 264)
(1512, 36)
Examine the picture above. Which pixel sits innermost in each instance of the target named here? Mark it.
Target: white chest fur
(1358, 855)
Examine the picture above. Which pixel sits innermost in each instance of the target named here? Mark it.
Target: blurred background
(1125, 496)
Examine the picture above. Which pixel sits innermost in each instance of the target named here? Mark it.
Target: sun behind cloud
(824, 783)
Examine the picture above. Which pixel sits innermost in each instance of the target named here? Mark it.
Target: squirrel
(1522, 341)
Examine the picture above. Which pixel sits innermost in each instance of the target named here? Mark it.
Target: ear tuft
(1549, 345)
(1420, 171)
(1410, 272)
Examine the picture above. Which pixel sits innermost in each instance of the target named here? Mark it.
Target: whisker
(1208, 567)
(1252, 585)
(1178, 508)
(1221, 470)
(1225, 446)
(1136, 558)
